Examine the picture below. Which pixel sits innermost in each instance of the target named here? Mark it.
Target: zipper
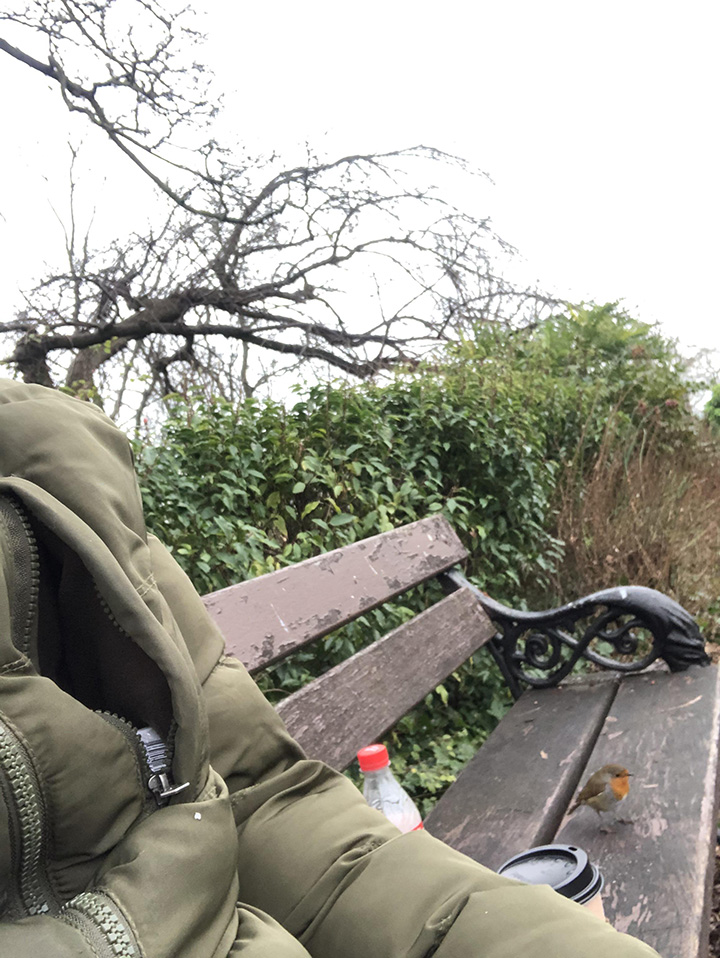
(30, 892)
(26, 570)
(153, 758)
(96, 916)
(160, 781)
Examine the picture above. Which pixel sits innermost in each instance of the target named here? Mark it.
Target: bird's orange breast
(620, 786)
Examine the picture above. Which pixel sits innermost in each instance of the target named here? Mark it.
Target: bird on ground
(604, 790)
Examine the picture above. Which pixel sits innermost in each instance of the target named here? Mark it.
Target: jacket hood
(107, 635)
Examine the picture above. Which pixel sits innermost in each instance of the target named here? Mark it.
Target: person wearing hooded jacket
(208, 834)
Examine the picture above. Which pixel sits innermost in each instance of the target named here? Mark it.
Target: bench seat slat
(265, 619)
(355, 703)
(665, 729)
(515, 791)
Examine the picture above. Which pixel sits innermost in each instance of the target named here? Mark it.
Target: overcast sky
(598, 124)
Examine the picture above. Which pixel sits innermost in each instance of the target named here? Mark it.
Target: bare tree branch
(356, 263)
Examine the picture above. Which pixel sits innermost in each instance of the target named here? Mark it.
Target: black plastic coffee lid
(565, 867)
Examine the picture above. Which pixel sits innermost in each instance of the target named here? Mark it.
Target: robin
(604, 789)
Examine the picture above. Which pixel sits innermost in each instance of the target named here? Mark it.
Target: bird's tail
(575, 806)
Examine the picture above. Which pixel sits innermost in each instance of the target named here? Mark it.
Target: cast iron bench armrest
(532, 642)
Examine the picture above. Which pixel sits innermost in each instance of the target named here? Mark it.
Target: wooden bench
(662, 724)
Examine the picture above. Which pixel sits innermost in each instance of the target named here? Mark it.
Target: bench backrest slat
(265, 619)
(355, 703)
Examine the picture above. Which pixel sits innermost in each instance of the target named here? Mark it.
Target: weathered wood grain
(664, 728)
(355, 703)
(515, 791)
(265, 619)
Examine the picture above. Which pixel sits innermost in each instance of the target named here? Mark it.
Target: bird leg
(604, 829)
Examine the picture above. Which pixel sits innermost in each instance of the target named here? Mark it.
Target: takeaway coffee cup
(565, 868)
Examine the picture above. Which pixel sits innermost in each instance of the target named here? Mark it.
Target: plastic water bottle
(383, 791)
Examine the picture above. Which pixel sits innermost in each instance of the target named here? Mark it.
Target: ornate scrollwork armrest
(633, 623)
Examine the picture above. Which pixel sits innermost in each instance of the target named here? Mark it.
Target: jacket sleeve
(336, 873)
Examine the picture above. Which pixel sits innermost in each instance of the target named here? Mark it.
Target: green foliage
(579, 368)
(712, 408)
(237, 491)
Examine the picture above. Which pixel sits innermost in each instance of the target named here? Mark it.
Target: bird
(604, 790)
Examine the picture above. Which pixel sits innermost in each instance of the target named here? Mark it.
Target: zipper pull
(160, 782)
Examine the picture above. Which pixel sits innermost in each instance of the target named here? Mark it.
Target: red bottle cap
(373, 757)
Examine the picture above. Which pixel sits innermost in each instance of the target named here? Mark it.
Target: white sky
(598, 123)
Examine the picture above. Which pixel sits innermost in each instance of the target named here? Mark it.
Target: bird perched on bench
(604, 790)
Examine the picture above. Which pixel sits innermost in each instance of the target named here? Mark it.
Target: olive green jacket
(119, 843)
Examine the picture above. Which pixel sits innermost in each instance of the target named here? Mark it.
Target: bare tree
(251, 257)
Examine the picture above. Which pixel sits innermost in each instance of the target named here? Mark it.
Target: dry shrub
(648, 514)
